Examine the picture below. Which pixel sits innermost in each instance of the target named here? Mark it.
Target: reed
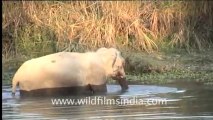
(35, 28)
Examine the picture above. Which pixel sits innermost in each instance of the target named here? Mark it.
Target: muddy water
(142, 102)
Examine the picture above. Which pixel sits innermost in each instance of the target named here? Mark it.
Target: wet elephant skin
(65, 91)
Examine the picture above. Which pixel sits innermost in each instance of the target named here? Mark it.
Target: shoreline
(154, 68)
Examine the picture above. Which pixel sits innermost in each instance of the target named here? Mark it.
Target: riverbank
(151, 68)
(171, 67)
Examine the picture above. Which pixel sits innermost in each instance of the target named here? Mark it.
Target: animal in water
(70, 72)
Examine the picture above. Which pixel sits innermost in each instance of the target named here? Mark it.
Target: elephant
(70, 73)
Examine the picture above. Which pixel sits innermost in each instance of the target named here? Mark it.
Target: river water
(142, 102)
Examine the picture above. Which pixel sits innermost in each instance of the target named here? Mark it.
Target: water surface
(195, 102)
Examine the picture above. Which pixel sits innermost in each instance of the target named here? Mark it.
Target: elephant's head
(114, 65)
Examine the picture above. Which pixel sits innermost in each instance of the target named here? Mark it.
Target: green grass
(203, 77)
(169, 67)
(154, 68)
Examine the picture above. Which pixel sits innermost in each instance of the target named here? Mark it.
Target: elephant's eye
(118, 67)
(123, 63)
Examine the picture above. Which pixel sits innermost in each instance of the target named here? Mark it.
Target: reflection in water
(193, 103)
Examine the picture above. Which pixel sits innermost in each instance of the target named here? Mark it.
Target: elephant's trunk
(123, 83)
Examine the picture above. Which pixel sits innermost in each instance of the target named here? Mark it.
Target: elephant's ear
(109, 56)
(112, 55)
(116, 54)
(114, 60)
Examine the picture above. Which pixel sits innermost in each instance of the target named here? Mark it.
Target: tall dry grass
(41, 27)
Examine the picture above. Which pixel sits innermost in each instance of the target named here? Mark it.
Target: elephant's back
(53, 59)
(55, 63)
